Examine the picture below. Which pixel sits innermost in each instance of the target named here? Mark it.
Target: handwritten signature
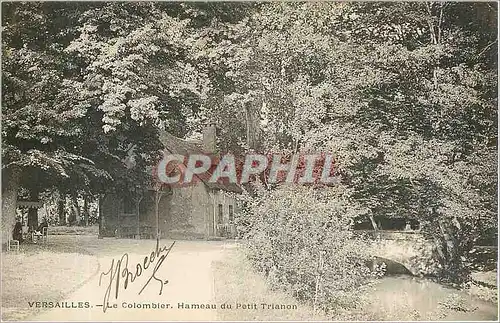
(119, 270)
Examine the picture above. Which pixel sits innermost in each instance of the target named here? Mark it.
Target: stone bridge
(408, 248)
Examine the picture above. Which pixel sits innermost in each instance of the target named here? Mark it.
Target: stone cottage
(202, 210)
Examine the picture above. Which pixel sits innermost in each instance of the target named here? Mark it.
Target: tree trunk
(32, 218)
(374, 224)
(75, 208)
(452, 247)
(252, 118)
(435, 32)
(33, 211)
(100, 218)
(61, 209)
(86, 209)
(10, 188)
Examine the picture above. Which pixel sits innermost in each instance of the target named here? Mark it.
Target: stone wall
(195, 210)
(191, 211)
(186, 210)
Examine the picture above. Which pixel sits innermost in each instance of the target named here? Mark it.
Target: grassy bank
(483, 286)
(31, 275)
(236, 283)
(74, 230)
(400, 298)
(406, 298)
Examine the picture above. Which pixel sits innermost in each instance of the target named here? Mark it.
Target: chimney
(209, 138)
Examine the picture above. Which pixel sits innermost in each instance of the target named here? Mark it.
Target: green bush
(302, 239)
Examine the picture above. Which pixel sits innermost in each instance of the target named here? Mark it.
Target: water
(412, 298)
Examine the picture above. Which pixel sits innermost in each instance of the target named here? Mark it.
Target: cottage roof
(179, 146)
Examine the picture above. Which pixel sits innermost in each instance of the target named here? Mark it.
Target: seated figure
(39, 232)
(42, 225)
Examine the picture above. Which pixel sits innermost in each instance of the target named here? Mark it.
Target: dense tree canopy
(404, 94)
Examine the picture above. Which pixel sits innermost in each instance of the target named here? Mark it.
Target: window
(231, 213)
(221, 214)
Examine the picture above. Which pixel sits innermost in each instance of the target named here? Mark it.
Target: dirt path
(188, 269)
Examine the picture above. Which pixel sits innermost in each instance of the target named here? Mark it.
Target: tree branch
(488, 46)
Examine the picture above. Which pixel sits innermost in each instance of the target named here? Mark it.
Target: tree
(82, 85)
(424, 110)
(403, 94)
(37, 115)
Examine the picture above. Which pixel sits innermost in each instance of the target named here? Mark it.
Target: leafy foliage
(91, 82)
(403, 94)
(301, 239)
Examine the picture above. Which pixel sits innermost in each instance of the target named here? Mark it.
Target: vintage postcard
(249, 161)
